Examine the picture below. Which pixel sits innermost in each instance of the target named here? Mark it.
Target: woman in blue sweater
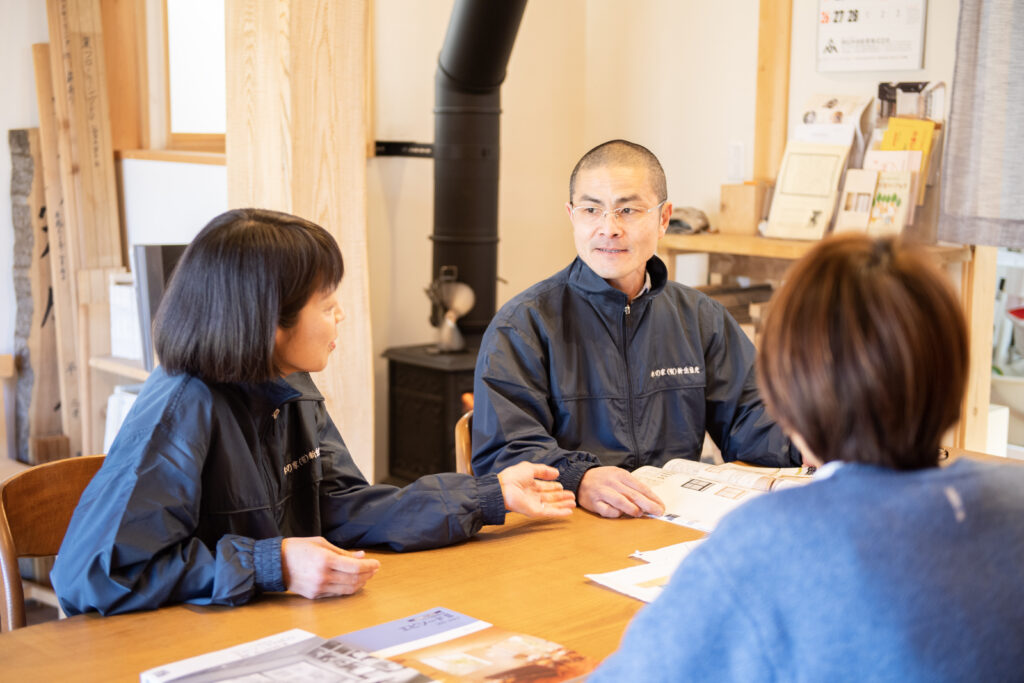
(228, 477)
(886, 566)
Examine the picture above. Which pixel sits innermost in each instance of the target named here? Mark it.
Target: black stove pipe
(470, 71)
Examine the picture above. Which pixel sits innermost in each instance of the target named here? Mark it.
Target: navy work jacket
(204, 480)
(574, 375)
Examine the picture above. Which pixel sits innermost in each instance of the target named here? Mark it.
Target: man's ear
(568, 209)
(666, 214)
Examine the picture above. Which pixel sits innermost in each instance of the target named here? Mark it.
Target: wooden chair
(35, 510)
(464, 444)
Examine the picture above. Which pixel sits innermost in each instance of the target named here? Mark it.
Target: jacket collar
(584, 280)
(269, 396)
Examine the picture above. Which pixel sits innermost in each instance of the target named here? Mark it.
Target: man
(607, 366)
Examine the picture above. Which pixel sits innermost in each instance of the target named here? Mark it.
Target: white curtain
(983, 165)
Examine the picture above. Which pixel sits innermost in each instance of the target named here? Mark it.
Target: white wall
(169, 203)
(22, 24)
(541, 137)
(678, 78)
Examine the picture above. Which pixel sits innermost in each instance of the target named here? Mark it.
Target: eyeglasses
(593, 215)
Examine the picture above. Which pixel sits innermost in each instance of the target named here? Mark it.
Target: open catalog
(698, 494)
(436, 645)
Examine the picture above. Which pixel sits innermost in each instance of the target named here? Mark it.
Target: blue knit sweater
(870, 574)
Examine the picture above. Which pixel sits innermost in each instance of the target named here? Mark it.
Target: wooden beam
(296, 142)
(978, 293)
(88, 182)
(65, 301)
(775, 27)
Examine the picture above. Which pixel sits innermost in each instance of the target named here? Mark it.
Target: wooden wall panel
(296, 142)
(65, 300)
(91, 214)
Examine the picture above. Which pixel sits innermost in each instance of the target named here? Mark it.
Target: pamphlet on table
(646, 581)
(435, 645)
(698, 494)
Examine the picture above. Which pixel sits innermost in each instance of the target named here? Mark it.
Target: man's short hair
(622, 153)
(248, 272)
(864, 353)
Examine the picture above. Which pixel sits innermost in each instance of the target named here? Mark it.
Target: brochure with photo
(449, 646)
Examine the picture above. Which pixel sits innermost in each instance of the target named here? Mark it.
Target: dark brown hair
(248, 272)
(864, 353)
(622, 153)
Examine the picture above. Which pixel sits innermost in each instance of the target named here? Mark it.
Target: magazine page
(739, 474)
(448, 646)
(294, 655)
(698, 495)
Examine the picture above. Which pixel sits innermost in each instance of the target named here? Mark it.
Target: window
(196, 102)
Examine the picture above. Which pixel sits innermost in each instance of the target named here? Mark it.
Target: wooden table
(525, 576)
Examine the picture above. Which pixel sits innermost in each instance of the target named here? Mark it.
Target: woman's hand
(530, 489)
(315, 568)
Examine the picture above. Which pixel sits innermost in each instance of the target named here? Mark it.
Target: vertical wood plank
(977, 292)
(83, 111)
(153, 78)
(38, 397)
(258, 139)
(124, 64)
(65, 301)
(775, 28)
(88, 183)
(296, 142)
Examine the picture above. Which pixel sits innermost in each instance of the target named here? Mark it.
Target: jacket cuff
(492, 501)
(571, 476)
(266, 561)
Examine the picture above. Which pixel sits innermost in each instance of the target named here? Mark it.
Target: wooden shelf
(767, 247)
(974, 265)
(124, 367)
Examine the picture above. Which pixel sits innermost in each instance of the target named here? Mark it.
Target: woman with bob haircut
(228, 477)
(886, 566)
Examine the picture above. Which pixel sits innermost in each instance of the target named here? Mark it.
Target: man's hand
(613, 492)
(314, 568)
(530, 489)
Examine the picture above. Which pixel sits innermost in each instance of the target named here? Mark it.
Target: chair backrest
(464, 444)
(35, 510)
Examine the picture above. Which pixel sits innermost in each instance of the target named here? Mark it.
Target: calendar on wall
(870, 35)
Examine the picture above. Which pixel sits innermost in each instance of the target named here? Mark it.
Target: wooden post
(89, 187)
(296, 143)
(38, 398)
(977, 294)
(65, 301)
(124, 38)
(775, 27)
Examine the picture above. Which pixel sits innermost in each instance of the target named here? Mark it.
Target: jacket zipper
(629, 383)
